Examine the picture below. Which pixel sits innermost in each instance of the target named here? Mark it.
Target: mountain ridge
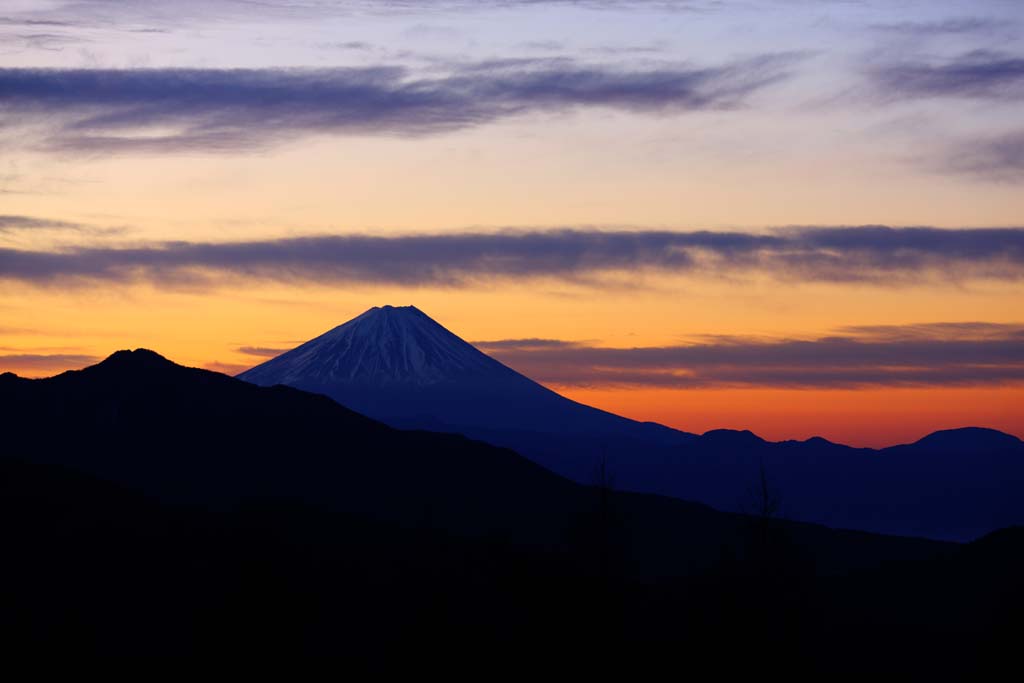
(133, 359)
(191, 436)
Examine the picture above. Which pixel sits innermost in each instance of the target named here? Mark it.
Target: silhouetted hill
(968, 439)
(398, 365)
(93, 568)
(185, 435)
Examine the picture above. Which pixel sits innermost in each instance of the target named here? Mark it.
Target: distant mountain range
(397, 365)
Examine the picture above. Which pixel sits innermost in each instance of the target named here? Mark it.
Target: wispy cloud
(34, 363)
(525, 344)
(980, 74)
(89, 110)
(93, 12)
(260, 351)
(14, 222)
(998, 158)
(876, 255)
(937, 354)
(944, 27)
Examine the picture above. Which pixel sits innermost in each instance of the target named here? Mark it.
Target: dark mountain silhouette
(93, 568)
(185, 435)
(397, 365)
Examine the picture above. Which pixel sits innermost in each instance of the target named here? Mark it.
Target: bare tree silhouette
(762, 508)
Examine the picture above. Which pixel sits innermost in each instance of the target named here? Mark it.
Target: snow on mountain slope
(385, 345)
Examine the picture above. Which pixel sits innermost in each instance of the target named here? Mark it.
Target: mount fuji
(397, 365)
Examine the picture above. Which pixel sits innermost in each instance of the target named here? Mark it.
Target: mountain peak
(968, 438)
(388, 309)
(383, 345)
(137, 359)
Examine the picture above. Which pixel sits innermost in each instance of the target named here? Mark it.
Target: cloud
(980, 74)
(95, 110)
(875, 255)
(999, 158)
(108, 12)
(13, 224)
(53, 42)
(261, 351)
(525, 344)
(35, 363)
(10, 223)
(937, 354)
(943, 330)
(952, 26)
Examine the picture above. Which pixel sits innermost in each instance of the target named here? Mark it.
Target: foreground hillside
(91, 567)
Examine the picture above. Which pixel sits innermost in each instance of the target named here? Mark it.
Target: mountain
(188, 436)
(397, 365)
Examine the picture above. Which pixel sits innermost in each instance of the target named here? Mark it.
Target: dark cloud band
(218, 110)
(952, 354)
(871, 254)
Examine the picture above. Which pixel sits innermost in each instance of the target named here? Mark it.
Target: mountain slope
(91, 568)
(184, 435)
(399, 366)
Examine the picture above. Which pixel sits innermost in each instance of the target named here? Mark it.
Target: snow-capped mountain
(397, 365)
(384, 345)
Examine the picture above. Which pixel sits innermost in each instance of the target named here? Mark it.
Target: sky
(799, 217)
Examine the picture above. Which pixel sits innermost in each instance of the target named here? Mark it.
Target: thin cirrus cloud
(944, 27)
(94, 12)
(11, 223)
(980, 74)
(876, 255)
(938, 354)
(151, 110)
(999, 158)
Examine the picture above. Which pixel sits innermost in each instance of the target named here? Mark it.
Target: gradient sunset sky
(797, 217)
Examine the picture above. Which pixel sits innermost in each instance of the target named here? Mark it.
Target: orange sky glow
(764, 218)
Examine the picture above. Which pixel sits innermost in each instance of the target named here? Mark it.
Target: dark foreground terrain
(92, 568)
(153, 509)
